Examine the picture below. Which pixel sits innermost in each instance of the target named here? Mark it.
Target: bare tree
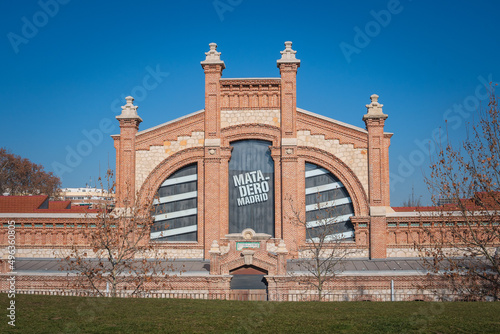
(324, 252)
(464, 239)
(19, 176)
(122, 259)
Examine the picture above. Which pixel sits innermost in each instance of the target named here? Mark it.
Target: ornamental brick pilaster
(277, 287)
(125, 154)
(378, 176)
(212, 191)
(213, 67)
(288, 66)
(289, 193)
(215, 255)
(278, 215)
(225, 156)
(281, 254)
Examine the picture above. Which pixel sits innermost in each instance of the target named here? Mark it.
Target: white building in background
(87, 196)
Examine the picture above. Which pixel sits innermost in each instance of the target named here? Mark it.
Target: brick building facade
(226, 182)
(262, 110)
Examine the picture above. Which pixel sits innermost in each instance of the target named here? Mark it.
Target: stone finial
(129, 111)
(281, 247)
(374, 109)
(288, 55)
(213, 57)
(214, 248)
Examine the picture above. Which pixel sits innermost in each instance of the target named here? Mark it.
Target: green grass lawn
(53, 314)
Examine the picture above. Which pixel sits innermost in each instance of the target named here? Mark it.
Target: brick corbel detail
(212, 191)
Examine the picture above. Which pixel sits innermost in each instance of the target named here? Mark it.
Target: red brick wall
(125, 162)
(289, 159)
(378, 181)
(288, 73)
(250, 93)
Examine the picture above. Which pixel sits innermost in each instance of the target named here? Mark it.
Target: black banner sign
(251, 187)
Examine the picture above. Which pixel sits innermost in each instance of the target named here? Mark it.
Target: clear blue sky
(67, 68)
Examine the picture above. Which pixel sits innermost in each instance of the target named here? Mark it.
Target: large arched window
(176, 207)
(328, 206)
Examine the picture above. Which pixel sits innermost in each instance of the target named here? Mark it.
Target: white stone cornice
(378, 211)
(170, 122)
(212, 142)
(353, 127)
(289, 142)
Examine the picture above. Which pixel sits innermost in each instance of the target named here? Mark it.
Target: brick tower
(213, 67)
(125, 154)
(288, 65)
(378, 176)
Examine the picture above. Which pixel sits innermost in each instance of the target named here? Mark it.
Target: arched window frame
(175, 207)
(328, 206)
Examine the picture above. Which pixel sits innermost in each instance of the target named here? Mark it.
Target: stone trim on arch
(168, 167)
(338, 168)
(264, 264)
(354, 156)
(147, 159)
(251, 131)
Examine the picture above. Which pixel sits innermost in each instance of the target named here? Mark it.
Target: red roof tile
(57, 205)
(480, 201)
(38, 204)
(18, 204)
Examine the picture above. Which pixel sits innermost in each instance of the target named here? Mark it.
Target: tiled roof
(57, 205)
(37, 204)
(356, 266)
(15, 204)
(415, 208)
(480, 201)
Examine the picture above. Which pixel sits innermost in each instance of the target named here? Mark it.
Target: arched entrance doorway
(248, 283)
